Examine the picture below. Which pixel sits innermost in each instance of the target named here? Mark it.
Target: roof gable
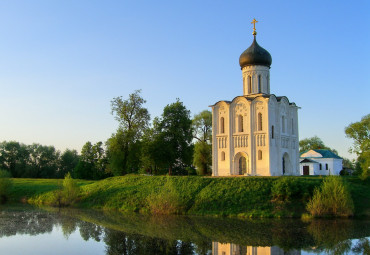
(318, 153)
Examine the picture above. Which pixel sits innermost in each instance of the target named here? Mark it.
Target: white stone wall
(254, 72)
(334, 166)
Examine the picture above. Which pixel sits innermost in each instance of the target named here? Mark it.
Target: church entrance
(242, 165)
(306, 170)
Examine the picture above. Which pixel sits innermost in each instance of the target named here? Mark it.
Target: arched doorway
(287, 167)
(241, 164)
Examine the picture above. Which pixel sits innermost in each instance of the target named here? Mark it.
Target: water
(26, 230)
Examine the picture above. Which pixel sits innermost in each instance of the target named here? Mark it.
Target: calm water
(25, 230)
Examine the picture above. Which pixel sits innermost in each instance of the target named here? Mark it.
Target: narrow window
(272, 132)
(222, 156)
(292, 127)
(222, 124)
(320, 167)
(259, 155)
(249, 84)
(259, 83)
(326, 167)
(268, 84)
(240, 123)
(259, 121)
(283, 123)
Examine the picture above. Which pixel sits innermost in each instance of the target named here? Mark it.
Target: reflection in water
(140, 234)
(234, 249)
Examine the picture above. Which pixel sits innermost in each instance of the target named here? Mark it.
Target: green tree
(313, 143)
(133, 120)
(43, 161)
(92, 162)
(14, 158)
(360, 133)
(174, 130)
(68, 161)
(202, 132)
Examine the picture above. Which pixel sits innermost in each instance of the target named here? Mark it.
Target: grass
(194, 195)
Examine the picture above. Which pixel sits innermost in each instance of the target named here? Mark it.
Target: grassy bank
(244, 197)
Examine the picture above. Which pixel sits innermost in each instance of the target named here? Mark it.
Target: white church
(255, 134)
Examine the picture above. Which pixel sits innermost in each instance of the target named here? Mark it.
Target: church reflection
(235, 249)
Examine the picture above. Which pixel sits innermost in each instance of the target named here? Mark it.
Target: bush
(5, 186)
(332, 198)
(284, 189)
(167, 201)
(68, 193)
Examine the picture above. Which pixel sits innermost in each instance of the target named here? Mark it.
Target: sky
(62, 62)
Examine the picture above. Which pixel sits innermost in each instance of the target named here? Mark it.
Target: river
(28, 230)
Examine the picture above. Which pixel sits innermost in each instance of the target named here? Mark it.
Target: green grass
(243, 197)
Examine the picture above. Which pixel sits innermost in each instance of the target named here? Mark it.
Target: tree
(133, 120)
(68, 161)
(14, 158)
(360, 133)
(92, 163)
(202, 158)
(202, 126)
(313, 143)
(202, 132)
(44, 161)
(174, 130)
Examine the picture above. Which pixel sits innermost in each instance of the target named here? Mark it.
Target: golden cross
(254, 21)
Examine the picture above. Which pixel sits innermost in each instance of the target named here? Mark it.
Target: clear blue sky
(62, 62)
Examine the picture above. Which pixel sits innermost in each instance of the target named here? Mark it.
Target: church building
(255, 134)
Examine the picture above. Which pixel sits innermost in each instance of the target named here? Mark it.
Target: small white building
(320, 162)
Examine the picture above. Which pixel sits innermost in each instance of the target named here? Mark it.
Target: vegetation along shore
(194, 195)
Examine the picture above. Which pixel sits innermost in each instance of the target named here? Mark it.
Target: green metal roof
(324, 153)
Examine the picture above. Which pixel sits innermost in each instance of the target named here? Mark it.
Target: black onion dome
(255, 55)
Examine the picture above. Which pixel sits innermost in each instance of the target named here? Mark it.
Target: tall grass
(332, 198)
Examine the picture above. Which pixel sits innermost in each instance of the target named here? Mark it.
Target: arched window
(259, 128)
(242, 165)
(326, 167)
(240, 123)
(283, 123)
(268, 84)
(259, 155)
(222, 156)
(249, 84)
(222, 125)
(259, 83)
(272, 132)
(320, 167)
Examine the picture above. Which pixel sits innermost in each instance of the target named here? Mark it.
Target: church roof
(255, 55)
(323, 153)
(306, 160)
(252, 97)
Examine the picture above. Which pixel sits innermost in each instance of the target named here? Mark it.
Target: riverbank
(193, 195)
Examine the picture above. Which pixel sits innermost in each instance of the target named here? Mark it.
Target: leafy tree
(14, 158)
(360, 133)
(43, 160)
(202, 132)
(313, 143)
(202, 126)
(5, 185)
(68, 161)
(133, 120)
(202, 157)
(174, 130)
(92, 163)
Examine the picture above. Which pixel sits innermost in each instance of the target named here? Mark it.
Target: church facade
(255, 134)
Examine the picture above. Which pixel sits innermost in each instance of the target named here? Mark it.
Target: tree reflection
(144, 234)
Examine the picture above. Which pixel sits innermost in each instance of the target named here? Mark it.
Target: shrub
(5, 186)
(331, 198)
(68, 193)
(166, 201)
(284, 189)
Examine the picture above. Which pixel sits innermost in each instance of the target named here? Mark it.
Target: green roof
(324, 153)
